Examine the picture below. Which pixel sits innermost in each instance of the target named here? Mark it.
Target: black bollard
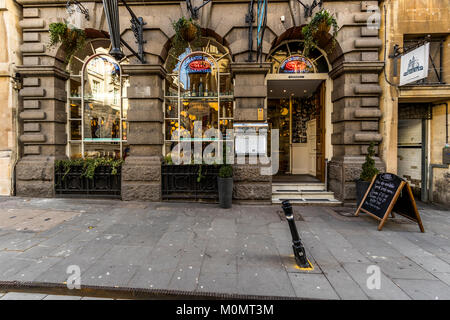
(297, 246)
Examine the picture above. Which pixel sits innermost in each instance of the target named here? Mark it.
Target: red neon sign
(199, 65)
(295, 65)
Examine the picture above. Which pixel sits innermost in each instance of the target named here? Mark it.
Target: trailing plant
(186, 31)
(71, 39)
(322, 21)
(88, 165)
(368, 167)
(168, 159)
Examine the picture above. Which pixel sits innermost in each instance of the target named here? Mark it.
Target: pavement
(200, 249)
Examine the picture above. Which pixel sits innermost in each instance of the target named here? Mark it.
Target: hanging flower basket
(71, 39)
(321, 22)
(189, 32)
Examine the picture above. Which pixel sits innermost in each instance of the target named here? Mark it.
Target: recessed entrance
(296, 109)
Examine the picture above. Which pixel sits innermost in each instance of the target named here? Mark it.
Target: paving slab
(424, 289)
(23, 296)
(314, 286)
(243, 250)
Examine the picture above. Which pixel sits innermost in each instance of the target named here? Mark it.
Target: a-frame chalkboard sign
(387, 194)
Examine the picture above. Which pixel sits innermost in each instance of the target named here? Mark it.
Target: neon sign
(198, 64)
(296, 64)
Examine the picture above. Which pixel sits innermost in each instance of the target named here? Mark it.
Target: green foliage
(186, 31)
(71, 39)
(368, 167)
(168, 159)
(310, 30)
(88, 165)
(226, 171)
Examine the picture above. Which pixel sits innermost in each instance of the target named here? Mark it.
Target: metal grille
(103, 184)
(414, 111)
(190, 182)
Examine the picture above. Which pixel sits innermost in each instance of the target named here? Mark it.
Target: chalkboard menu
(387, 194)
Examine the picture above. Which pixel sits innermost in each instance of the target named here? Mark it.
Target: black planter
(361, 189)
(225, 186)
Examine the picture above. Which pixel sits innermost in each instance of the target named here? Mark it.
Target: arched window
(198, 91)
(97, 104)
(288, 57)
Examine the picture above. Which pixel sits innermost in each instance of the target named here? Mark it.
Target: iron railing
(190, 182)
(73, 184)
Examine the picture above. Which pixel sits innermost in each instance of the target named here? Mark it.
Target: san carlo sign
(296, 64)
(198, 64)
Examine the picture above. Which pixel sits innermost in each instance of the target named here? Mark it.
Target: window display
(97, 105)
(198, 95)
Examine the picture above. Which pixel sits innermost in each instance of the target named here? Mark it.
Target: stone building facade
(356, 64)
(10, 57)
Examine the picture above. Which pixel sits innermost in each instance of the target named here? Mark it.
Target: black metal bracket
(194, 10)
(137, 26)
(310, 7)
(79, 7)
(250, 19)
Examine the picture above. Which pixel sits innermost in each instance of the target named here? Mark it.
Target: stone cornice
(357, 67)
(250, 67)
(144, 69)
(42, 71)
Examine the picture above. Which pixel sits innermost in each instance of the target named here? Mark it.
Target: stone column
(141, 172)
(356, 111)
(250, 91)
(43, 135)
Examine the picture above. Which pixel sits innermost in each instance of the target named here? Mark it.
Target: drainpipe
(326, 175)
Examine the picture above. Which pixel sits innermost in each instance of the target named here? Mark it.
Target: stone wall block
(32, 138)
(369, 78)
(31, 12)
(30, 47)
(31, 150)
(31, 82)
(368, 89)
(249, 173)
(369, 32)
(34, 170)
(365, 5)
(32, 23)
(368, 43)
(31, 37)
(41, 189)
(31, 127)
(252, 191)
(32, 92)
(32, 115)
(368, 137)
(31, 104)
(31, 61)
(141, 191)
(367, 113)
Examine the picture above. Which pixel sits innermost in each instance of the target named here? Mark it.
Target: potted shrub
(225, 185)
(368, 172)
(321, 22)
(71, 38)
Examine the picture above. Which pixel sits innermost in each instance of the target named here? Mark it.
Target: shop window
(97, 104)
(198, 96)
(288, 57)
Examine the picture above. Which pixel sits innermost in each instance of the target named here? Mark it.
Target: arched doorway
(299, 106)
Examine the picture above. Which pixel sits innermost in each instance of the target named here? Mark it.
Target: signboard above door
(414, 65)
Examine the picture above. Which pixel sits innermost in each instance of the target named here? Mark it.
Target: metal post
(297, 246)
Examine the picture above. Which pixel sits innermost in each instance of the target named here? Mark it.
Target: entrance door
(296, 109)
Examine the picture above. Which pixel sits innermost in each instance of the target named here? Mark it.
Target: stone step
(297, 187)
(304, 194)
